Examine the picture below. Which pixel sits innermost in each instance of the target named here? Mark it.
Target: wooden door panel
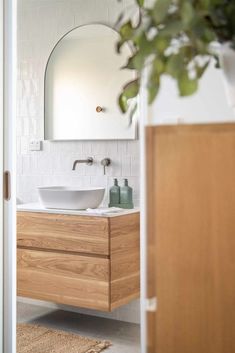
(192, 237)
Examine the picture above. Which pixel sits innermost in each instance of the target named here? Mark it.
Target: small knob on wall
(99, 109)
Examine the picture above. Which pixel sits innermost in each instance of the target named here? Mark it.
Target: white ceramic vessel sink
(72, 198)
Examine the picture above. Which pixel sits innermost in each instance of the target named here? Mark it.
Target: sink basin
(72, 198)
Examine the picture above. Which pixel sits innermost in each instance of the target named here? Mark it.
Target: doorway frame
(9, 15)
(1, 177)
(8, 59)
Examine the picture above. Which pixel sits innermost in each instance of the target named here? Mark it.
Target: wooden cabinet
(49, 231)
(191, 238)
(85, 261)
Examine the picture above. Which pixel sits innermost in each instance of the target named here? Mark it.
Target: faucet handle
(105, 163)
(89, 161)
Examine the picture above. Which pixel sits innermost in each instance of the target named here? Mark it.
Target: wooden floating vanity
(88, 261)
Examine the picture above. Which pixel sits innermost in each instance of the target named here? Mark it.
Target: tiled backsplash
(41, 23)
(53, 166)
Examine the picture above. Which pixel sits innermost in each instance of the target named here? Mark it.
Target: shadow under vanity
(78, 259)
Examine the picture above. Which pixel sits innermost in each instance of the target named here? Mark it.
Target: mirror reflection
(82, 82)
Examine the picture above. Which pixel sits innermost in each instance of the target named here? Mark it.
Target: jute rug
(39, 339)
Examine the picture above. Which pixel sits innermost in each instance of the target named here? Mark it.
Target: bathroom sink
(72, 198)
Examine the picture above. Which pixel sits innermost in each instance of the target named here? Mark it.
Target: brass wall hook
(99, 109)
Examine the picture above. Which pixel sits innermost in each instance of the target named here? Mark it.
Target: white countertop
(37, 207)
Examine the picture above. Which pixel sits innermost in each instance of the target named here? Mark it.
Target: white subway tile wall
(41, 23)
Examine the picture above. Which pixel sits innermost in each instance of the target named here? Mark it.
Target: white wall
(41, 23)
(209, 104)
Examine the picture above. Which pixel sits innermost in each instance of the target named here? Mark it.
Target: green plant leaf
(217, 61)
(153, 88)
(201, 69)
(205, 5)
(130, 90)
(126, 30)
(175, 65)
(158, 66)
(186, 85)
(136, 62)
(172, 29)
(132, 113)
(233, 43)
(140, 3)
(170, 36)
(160, 10)
(208, 35)
(152, 93)
(161, 43)
(122, 101)
(187, 13)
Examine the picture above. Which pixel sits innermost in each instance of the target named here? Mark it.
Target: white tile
(133, 147)
(87, 148)
(114, 11)
(44, 162)
(90, 11)
(24, 144)
(135, 165)
(26, 164)
(126, 166)
(99, 181)
(78, 181)
(18, 144)
(122, 148)
(115, 169)
(19, 164)
(99, 148)
(46, 146)
(65, 18)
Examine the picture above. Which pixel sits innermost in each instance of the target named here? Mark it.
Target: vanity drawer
(70, 279)
(73, 233)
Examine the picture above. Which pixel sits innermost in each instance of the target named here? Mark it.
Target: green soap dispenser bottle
(114, 194)
(126, 196)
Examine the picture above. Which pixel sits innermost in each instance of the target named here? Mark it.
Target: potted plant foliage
(176, 38)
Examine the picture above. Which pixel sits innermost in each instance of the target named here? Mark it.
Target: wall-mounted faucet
(105, 163)
(88, 161)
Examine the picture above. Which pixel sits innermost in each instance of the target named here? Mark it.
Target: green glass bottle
(126, 196)
(114, 194)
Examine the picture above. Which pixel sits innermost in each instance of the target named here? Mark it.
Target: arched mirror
(82, 82)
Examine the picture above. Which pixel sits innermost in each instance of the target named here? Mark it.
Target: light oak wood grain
(124, 259)
(193, 208)
(64, 278)
(125, 290)
(63, 232)
(64, 259)
(151, 239)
